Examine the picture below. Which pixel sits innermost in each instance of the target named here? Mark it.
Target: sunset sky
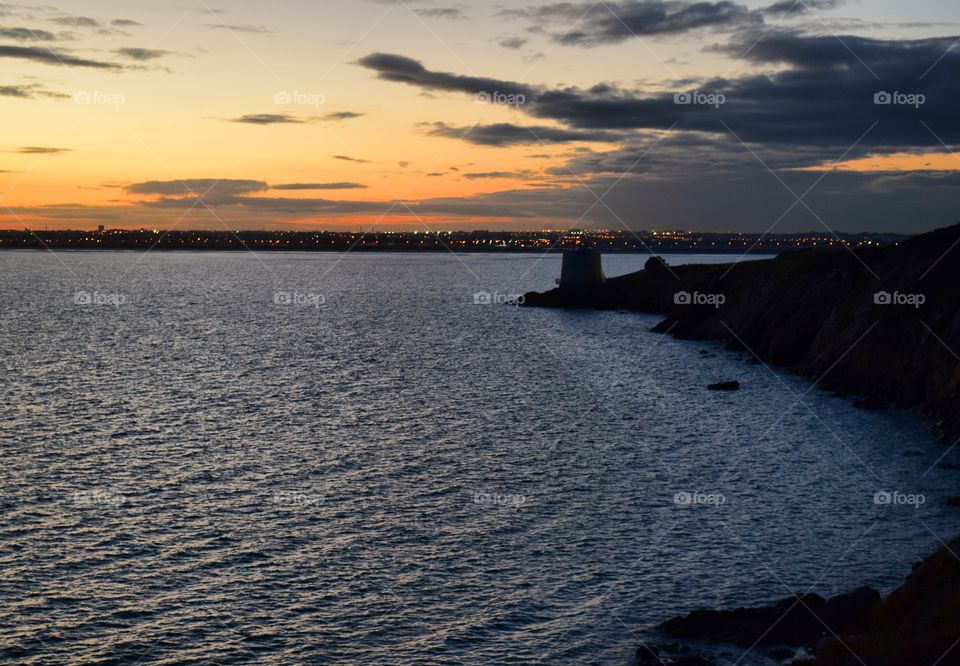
(371, 113)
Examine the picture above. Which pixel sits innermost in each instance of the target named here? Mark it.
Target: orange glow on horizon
(893, 163)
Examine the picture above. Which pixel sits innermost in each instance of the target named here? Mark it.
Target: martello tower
(582, 263)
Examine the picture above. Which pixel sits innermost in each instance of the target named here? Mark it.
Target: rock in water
(725, 386)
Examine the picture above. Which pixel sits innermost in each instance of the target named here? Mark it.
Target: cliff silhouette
(918, 624)
(882, 324)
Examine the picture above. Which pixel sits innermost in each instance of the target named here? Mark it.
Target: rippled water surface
(282, 459)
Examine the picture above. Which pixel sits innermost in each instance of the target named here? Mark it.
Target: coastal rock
(693, 660)
(725, 386)
(864, 339)
(674, 654)
(917, 625)
(871, 404)
(844, 608)
(647, 655)
(781, 653)
(793, 621)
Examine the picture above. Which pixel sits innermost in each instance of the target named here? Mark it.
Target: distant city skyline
(788, 116)
(537, 241)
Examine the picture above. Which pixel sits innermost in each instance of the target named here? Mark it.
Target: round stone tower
(582, 264)
(582, 267)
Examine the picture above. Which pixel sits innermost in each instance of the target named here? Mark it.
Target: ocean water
(326, 459)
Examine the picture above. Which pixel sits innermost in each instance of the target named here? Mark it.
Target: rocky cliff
(882, 324)
(918, 624)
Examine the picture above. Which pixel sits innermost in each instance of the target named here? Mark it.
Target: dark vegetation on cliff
(882, 324)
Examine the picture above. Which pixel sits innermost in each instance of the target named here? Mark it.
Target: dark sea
(377, 459)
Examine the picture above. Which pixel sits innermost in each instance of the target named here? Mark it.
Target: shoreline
(890, 341)
(878, 324)
(916, 624)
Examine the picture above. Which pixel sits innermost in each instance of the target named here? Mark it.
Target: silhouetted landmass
(882, 324)
(538, 241)
(918, 624)
(793, 621)
(879, 323)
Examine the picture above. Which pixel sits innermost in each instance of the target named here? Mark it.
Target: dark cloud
(15, 91)
(269, 205)
(268, 119)
(594, 24)
(917, 181)
(342, 115)
(31, 91)
(842, 52)
(319, 186)
(141, 54)
(400, 69)
(347, 158)
(52, 57)
(237, 27)
(27, 35)
(125, 23)
(797, 7)
(822, 94)
(286, 119)
(40, 150)
(209, 188)
(450, 13)
(487, 175)
(513, 42)
(508, 134)
(77, 21)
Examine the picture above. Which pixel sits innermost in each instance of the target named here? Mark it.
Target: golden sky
(100, 97)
